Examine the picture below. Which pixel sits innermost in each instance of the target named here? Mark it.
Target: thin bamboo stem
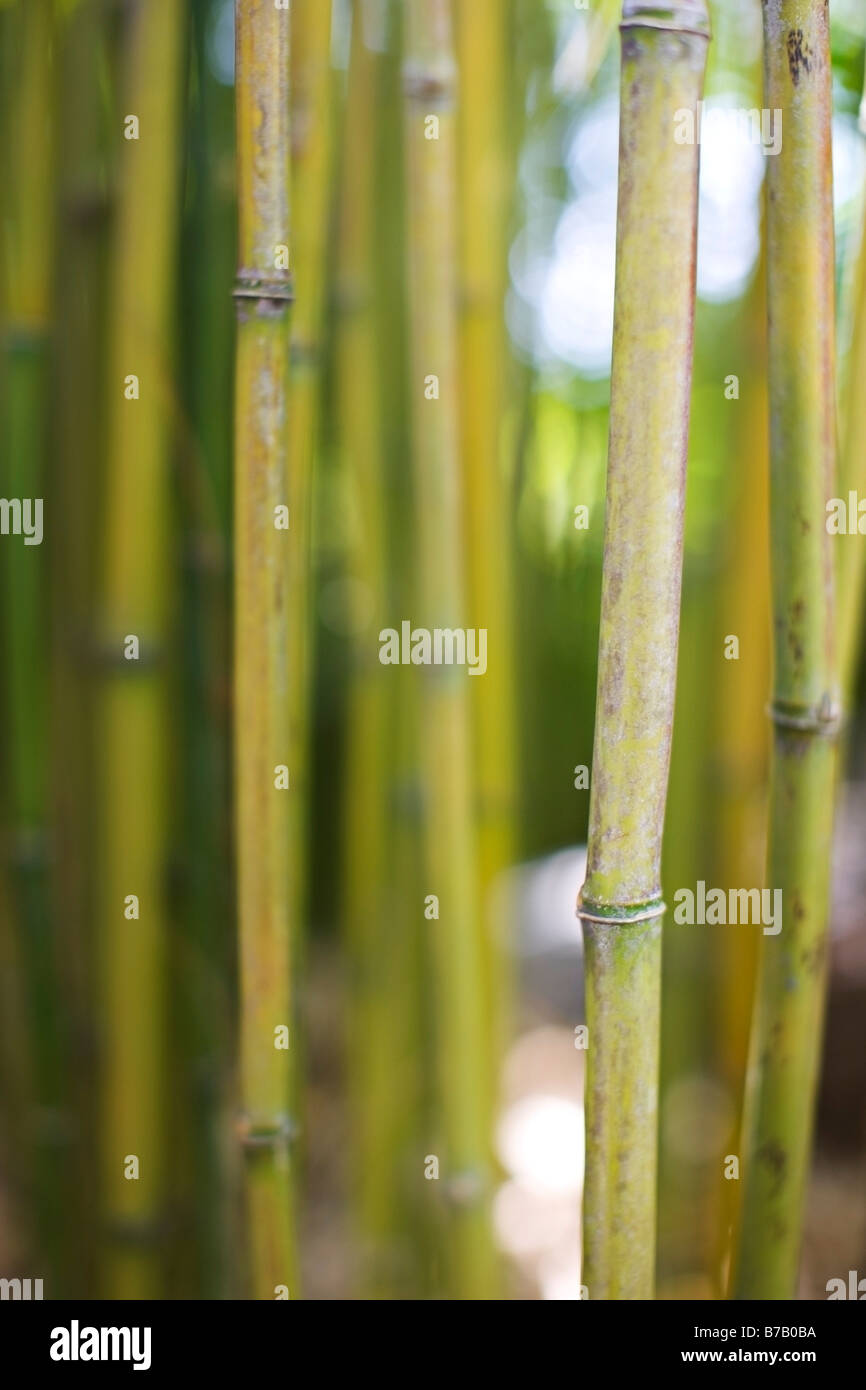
(850, 564)
(312, 160)
(263, 638)
(133, 712)
(786, 1031)
(375, 1004)
(663, 60)
(458, 955)
(481, 32)
(205, 945)
(81, 289)
(27, 295)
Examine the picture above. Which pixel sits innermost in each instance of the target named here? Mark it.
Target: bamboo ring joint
(619, 916)
(824, 719)
(681, 18)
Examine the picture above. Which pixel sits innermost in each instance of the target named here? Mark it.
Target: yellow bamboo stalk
(312, 160)
(264, 639)
(376, 937)
(484, 200)
(26, 270)
(664, 51)
(785, 1045)
(133, 718)
(458, 955)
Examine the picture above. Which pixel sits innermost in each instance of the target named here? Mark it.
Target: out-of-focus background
(117, 927)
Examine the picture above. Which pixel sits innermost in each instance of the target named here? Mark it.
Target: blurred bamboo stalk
(663, 60)
(264, 613)
(373, 1040)
(312, 132)
(786, 1031)
(27, 293)
(77, 453)
(484, 167)
(203, 947)
(134, 724)
(850, 564)
(742, 743)
(461, 989)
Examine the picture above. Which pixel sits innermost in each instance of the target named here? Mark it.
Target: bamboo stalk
(76, 474)
(850, 565)
(460, 985)
(27, 296)
(204, 945)
(311, 121)
(663, 60)
(375, 996)
(133, 711)
(263, 637)
(742, 742)
(786, 1031)
(481, 33)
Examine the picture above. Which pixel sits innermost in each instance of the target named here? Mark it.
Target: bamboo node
(619, 915)
(280, 291)
(824, 719)
(684, 17)
(279, 1133)
(434, 87)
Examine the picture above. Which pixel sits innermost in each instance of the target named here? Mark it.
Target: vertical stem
(263, 635)
(850, 562)
(786, 1032)
(27, 290)
(450, 861)
(375, 1003)
(663, 60)
(312, 156)
(741, 738)
(134, 708)
(81, 287)
(484, 202)
(204, 944)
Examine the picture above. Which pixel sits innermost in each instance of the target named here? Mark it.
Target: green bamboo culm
(663, 59)
(373, 1045)
(26, 273)
(133, 722)
(312, 129)
(460, 988)
(851, 559)
(203, 946)
(263, 639)
(786, 1030)
(87, 135)
(485, 175)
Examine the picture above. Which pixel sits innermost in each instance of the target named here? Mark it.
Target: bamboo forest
(432, 695)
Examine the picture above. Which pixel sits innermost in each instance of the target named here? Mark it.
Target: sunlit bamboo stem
(460, 985)
(786, 1031)
(264, 638)
(663, 59)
